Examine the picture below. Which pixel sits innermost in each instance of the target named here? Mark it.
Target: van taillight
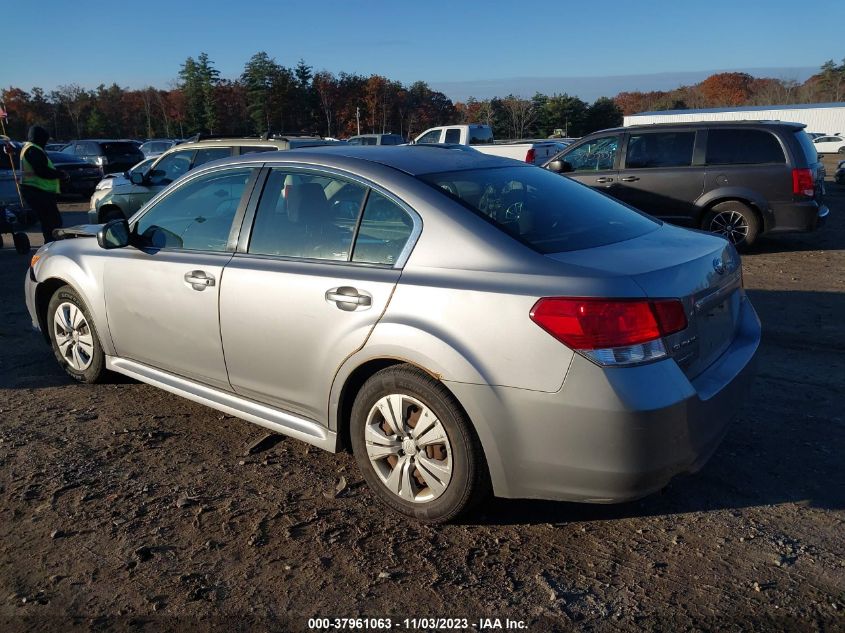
(529, 157)
(802, 183)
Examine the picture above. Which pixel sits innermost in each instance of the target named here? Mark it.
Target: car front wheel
(73, 337)
(415, 447)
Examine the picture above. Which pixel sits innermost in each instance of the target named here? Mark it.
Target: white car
(830, 144)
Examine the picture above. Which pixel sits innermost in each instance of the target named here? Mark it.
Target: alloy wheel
(73, 336)
(408, 448)
(730, 224)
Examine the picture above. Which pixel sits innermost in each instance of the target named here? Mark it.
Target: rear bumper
(610, 435)
(798, 216)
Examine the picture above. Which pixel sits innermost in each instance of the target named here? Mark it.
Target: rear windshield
(118, 147)
(480, 136)
(806, 143)
(548, 212)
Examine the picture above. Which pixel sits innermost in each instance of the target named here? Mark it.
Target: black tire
(841, 150)
(734, 221)
(21, 241)
(111, 213)
(469, 482)
(95, 371)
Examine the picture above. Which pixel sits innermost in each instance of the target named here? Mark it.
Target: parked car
(463, 321)
(114, 156)
(376, 139)
(839, 175)
(156, 147)
(738, 179)
(480, 137)
(830, 144)
(125, 198)
(110, 181)
(55, 147)
(84, 176)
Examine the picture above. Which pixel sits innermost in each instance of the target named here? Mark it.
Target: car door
(162, 293)
(658, 174)
(302, 292)
(594, 162)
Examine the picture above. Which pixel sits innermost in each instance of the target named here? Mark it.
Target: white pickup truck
(480, 137)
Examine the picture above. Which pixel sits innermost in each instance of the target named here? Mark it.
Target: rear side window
(545, 211)
(250, 149)
(743, 147)
(664, 149)
(811, 154)
(453, 135)
(384, 230)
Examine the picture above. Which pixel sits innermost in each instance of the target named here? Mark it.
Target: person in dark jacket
(40, 182)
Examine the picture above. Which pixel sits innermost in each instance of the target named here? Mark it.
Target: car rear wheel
(73, 337)
(842, 150)
(734, 221)
(415, 446)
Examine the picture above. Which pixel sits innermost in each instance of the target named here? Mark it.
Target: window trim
(190, 177)
(258, 190)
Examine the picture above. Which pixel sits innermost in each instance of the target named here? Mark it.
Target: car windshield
(548, 212)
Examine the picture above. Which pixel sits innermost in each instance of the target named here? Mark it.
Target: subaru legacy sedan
(463, 323)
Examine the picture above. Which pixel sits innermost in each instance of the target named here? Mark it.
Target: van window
(595, 155)
(742, 147)
(810, 153)
(663, 149)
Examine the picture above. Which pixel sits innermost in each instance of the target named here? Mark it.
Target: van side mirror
(114, 234)
(136, 178)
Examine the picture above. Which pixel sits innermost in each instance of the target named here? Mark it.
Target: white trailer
(825, 118)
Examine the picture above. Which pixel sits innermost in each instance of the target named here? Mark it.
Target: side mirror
(559, 166)
(136, 178)
(114, 234)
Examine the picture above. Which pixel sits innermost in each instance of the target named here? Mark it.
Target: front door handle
(348, 298)
(604, 179)
(199, 279)
(630, 179)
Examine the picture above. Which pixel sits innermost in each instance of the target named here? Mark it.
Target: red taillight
(802, 182)
(590, 324)
(529, 157)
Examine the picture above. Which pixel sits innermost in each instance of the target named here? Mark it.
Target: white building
(826, 118)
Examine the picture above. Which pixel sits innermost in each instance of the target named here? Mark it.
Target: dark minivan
(740, 179)
(113, 156)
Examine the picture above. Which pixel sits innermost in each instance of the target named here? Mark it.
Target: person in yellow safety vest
(40, 181)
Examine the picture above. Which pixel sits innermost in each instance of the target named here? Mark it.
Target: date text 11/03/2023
(414, 624)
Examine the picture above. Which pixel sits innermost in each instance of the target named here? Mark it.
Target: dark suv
(113, 156)
(737, 178)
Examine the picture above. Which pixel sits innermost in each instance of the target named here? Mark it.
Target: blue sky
(460, 47)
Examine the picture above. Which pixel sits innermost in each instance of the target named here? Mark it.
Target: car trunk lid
(701, 270)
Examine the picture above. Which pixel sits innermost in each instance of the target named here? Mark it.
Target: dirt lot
(124, 507)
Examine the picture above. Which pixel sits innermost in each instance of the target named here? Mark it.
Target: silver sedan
(464, 323)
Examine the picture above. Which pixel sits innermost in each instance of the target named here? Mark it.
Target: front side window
(308, 216)
(743, 147)
(595, 155)
(196, 216)
(662, 149)
(354, 141)
(170, 167)
(208, 154)
(548, 213)
(430, 137)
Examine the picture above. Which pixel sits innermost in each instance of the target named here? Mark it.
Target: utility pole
(358, 119)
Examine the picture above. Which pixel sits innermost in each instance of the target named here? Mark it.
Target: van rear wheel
(734, 221)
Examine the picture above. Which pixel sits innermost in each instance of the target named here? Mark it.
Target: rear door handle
(604, 179)
(630, 178)
(199, 279)
(348, 298)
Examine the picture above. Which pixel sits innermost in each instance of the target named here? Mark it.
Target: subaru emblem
(718, 266)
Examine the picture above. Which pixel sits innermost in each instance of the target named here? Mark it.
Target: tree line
(269, 97)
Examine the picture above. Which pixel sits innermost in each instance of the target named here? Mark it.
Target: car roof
(702, 124)
(411, 159)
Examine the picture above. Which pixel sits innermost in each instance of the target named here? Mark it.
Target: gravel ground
(124, 507)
